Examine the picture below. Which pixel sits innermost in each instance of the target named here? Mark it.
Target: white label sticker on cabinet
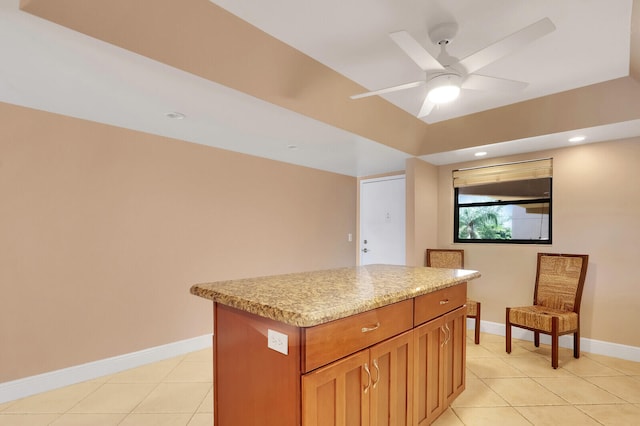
(278, 341)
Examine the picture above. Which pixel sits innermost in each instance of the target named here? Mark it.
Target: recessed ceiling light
(577, 139)
(175, 115)
(480, 154)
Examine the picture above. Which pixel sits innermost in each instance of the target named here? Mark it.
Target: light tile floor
(174, 392)
(516, 389)
(521, 388)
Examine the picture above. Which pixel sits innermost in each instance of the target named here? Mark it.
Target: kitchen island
(375, 344)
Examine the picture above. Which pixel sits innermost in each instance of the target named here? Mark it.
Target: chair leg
(576, 344)
(507, 324)
(536, 339)
(554, 342)
(477, 325)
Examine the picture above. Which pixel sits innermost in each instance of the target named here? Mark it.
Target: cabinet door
(429, 379)
(391, 365)
(454, 353)
(337, 395)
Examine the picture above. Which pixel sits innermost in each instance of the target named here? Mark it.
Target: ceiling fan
(446, 75)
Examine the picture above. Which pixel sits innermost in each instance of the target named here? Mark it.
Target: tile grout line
(150, 392)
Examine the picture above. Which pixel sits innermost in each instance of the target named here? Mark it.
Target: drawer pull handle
(368, 329)
(444, 301)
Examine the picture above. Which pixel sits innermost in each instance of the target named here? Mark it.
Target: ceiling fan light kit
(446, 75)
(444, 88)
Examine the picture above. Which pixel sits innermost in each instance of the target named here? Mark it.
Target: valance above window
(525, 170)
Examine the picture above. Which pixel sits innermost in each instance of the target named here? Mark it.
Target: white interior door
(382, 220)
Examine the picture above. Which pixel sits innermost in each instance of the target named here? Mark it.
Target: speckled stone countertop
(311, 298)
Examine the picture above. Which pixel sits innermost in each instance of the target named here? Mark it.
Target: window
(507, 203)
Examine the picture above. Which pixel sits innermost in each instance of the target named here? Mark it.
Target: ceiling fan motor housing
(443, 33)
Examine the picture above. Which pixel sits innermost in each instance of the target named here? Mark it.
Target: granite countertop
(311, 298)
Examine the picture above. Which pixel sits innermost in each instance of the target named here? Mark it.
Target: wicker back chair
(443, 258)
(556, 302)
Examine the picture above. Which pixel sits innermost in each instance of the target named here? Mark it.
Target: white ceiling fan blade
(415, 51)
(483, 82)
(507, 45)
(389, 89)
(426, 109)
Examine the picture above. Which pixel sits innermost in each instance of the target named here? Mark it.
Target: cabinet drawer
(432, 305)
(328, 342)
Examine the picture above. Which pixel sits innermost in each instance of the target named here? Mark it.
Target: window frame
(456, 218)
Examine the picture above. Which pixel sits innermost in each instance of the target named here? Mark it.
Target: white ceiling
(51, 68)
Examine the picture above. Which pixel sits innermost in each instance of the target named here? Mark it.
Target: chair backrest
(560, 280)
(443, 258)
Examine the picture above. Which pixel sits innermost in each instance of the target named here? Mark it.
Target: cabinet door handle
(444, 301)
(375, 364)
(366, 368)
(368, 329)
(447, 334)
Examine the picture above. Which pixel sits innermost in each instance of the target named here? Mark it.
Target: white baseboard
(32, 385)
(616, 350)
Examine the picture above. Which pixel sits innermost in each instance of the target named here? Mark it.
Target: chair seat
(472, 308)
(539, 318)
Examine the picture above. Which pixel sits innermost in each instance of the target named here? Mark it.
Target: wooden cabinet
(333, 340)
(432, 305)
(254, 385)
(397, 365)
(391, 394)
(429, 380)
(371, 387)
(334, 395)
(455, 350)
(440, 347)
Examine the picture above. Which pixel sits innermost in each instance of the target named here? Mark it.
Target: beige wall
(422, 209)
(104, 230)
(596, 205)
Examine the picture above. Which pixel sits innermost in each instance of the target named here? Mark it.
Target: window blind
(534, 169)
